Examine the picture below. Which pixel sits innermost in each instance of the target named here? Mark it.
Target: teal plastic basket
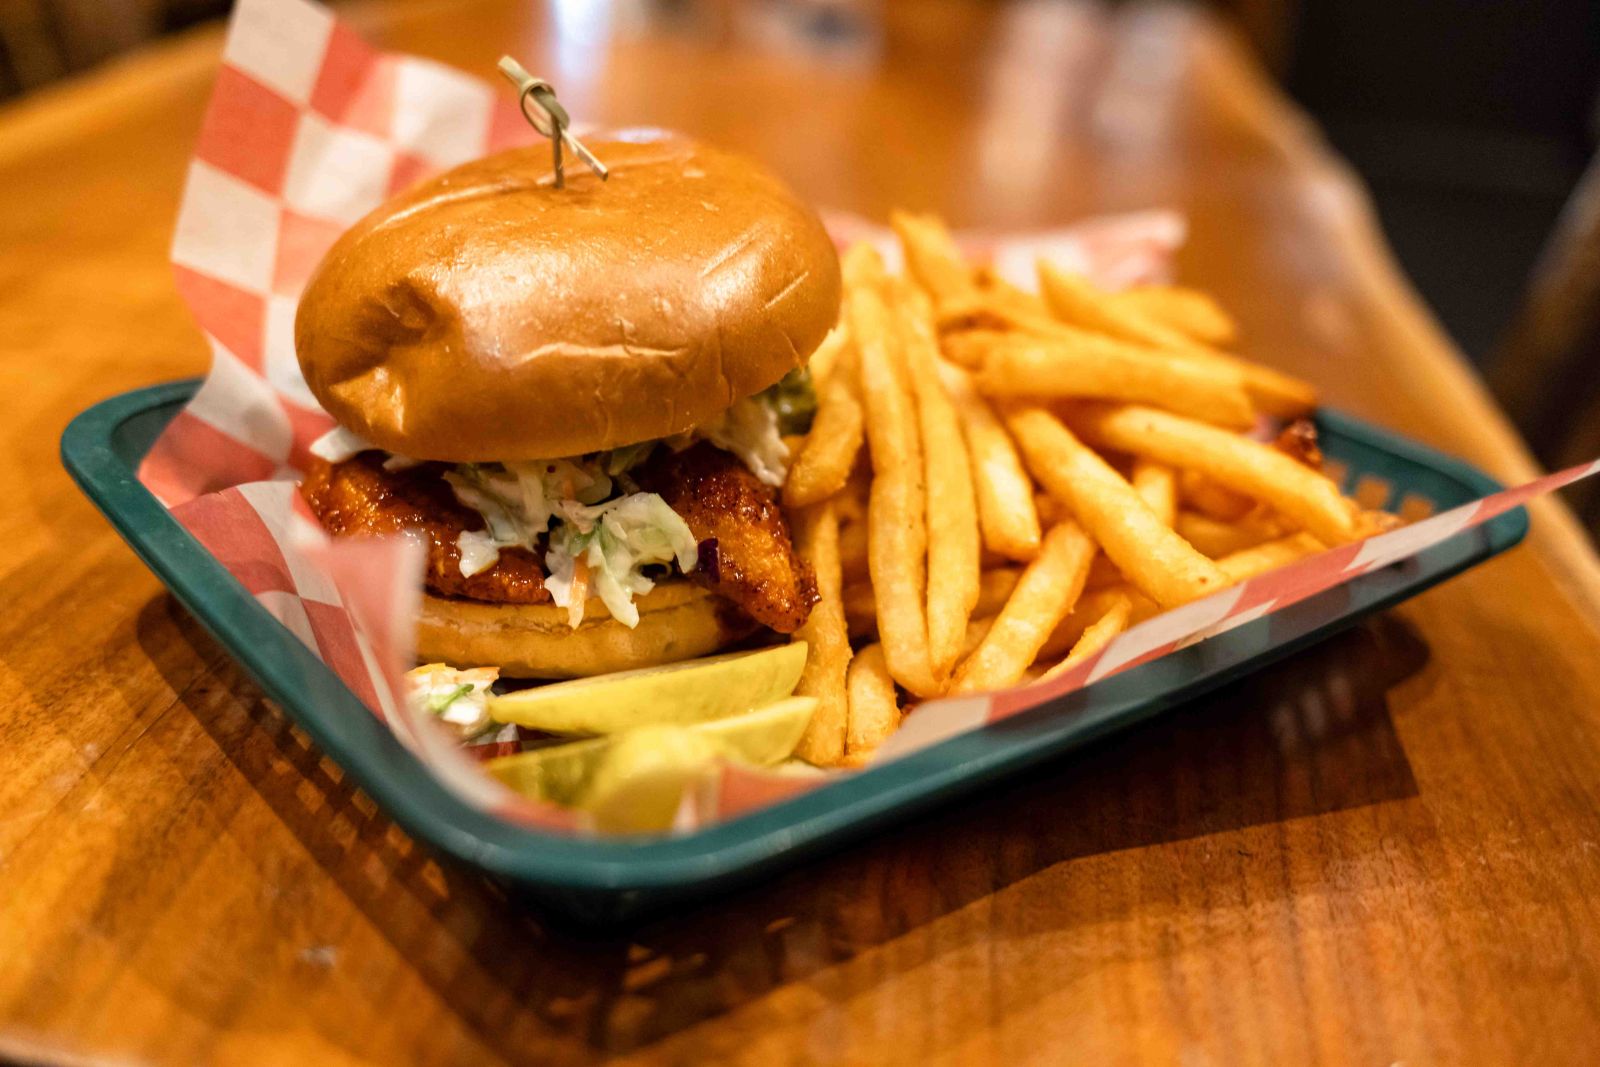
(598, 881)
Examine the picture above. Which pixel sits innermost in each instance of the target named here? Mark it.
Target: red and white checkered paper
(308, 129)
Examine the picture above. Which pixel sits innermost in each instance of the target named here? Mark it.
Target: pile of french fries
(997, 483)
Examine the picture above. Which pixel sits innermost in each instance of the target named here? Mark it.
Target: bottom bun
(677, 621)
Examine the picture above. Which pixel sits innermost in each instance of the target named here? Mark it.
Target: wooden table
(1386, 849)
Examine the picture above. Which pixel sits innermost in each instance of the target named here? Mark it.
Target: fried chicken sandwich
(577, 397)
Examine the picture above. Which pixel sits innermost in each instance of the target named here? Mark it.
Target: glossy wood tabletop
(1384, 849)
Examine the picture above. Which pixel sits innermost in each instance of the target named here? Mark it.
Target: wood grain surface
(1386, 849)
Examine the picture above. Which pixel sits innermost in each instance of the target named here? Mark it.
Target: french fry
(970, 348)
(897, 533)
(826, 357)
(1103, 574)
(994, 589)
(1268, 556)
(861, 606)
(860, 610)
(1091, 365)
(1299, 494)
(977, 629)
(827, 641)
(1207, 497)
(874, 707)
(1006, 516)
(829, 453)
(1272, 391)
(1003, 293)
(1157, 486)
(1215, 538)
(1157, 561)
(853, 549)
(1074, 300)
(1111, 622)
(952, 507)
(1051, 510)
(1188, 311)
(932, 257)
(851, 502)
(994, 313)
(957, 430)
(989, 559)
(1090, 607)
(1044, 596)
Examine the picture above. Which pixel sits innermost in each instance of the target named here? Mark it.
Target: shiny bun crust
(486, 315)
(677, 621)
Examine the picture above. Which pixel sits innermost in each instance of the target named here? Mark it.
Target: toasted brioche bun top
(487, 315)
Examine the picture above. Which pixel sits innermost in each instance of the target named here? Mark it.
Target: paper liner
(309, 128)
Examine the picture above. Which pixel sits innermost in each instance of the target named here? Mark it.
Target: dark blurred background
(1472, 121)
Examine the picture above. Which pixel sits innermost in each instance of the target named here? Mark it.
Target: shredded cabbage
(479, 551)
(614, 539)
(601, 536)
(614, 542)
(459, 698)
(518, 501)
(749, 429)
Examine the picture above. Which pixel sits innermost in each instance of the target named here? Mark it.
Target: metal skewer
(544, 112)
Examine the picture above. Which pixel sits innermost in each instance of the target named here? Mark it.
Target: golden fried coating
(360, 497)
(746, 555)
